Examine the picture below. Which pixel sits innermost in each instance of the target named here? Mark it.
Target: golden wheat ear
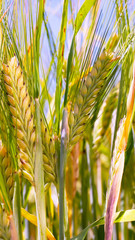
(48, 146)
(21, 108)
(86, 98)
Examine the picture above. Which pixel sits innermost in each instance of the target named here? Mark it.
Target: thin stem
(63, 158)
(39, 179)
(17, 207)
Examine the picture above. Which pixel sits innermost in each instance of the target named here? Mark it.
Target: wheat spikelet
(48, 147)
(87, 95)
(21, 109)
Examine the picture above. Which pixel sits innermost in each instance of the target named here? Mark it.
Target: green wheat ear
(48, 146)
(22, 113)
(86, 98)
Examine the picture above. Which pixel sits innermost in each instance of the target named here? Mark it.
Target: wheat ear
(86, 98)
(21, 109)
(48, 146)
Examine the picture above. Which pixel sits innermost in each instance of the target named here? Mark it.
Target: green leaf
(85, 8)
(123, 216)
(69, 64)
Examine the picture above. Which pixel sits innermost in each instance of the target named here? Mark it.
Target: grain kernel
(6, 69)
(26, 101)
(102, 57)
(47, 137)
(33, 137)
(98, 64)
(79, 100)
(48, 168)
(71, 119)
(5, 161)
(9, 89)
(94, 72)
(20, 134)
(13, 110)
(10, 181)
(20, 82)
(18, 72)
(95, 91)
(7, 79)
(11, 100)
(45, 158)
(8, 171)
(75, 139)
(24, 156)
(16, 121)
(21, 144)
(80, 129)
(76, 109)
(83, 90)
(23, 92)
(88, 81)
(13, 63)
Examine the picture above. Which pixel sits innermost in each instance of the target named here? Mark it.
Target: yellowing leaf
(33, 219)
